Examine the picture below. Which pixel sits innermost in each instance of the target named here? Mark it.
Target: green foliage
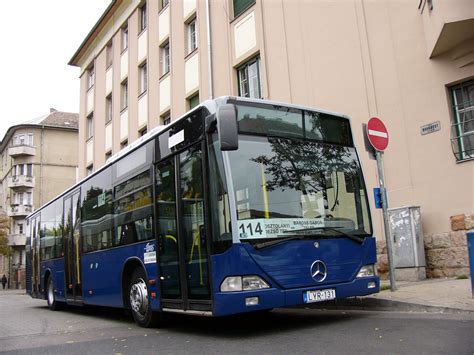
(4, 228)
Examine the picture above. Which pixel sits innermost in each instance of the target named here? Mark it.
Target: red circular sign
(377, 133)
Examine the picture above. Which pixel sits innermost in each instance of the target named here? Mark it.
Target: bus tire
(53, 304)
(139, 300)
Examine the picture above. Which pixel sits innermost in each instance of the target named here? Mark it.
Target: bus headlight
(253, 283)
(243, 283)
(366, 271)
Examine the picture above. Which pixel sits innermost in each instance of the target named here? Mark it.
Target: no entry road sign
(377, 133)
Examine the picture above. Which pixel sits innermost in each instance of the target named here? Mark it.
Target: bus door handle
(202, 235)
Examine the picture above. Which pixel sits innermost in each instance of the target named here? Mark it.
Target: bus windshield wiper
(353, 237)
(276, 241)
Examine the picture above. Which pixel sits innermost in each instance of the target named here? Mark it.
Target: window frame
(109, 55)
(90, 76)
(247, 5)
(191, 35)
(142, 78)
(244, 68)
(142, 21)
(165, 59)
(458, 133)
(90, 126)
(124, 95)
(109, 109)
(124, 38)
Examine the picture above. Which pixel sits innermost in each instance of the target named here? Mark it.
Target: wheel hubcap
(139, 297)
(50, 293)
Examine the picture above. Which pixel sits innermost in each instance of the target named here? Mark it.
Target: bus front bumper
(227, 303)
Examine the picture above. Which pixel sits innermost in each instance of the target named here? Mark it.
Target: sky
(38, 38)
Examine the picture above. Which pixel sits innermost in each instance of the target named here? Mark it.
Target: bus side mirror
(226, 117)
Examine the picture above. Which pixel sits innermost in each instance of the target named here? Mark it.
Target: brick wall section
(446, 253)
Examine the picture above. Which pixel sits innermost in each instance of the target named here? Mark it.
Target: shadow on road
(256, 324)
(237, 326)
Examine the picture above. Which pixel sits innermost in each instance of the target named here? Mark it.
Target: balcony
(21, 150)
(19, 181)
(19, 211)
(448, 27)
(16, 239)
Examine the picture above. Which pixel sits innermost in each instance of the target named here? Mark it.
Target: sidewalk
(431, 295)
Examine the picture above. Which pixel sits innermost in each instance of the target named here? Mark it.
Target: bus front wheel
(139, 300)
(50, 297)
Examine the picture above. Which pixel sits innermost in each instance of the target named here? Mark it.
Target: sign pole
(388, 240)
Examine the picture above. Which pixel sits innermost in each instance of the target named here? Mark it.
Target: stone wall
(446, 253)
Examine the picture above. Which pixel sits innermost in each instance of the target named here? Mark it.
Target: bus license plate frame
(313, 296)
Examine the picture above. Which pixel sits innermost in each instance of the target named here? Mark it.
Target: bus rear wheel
(139, 300)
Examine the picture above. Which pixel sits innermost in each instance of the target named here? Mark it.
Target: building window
(90, 76)
(191, 35)
(109, 108)
(142, 77)
(20, 198)
(124, 38)
(164, 3)
(90, 126)
(166, 119)
(89, 170)
(462, 130)
(20, 228)
(30, 139)
(165, 59)
(109, 53)
(124, 95)
(29, 199)
(193, 101)
(249, 79)
(29, 170)
(142, 15)
(241, 5)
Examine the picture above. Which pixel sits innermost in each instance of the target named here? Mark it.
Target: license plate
(319, 295)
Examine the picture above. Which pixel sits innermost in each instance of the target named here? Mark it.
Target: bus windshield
(294, 184)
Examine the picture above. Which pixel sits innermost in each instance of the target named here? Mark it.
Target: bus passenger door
(72, 248)
(181, 232)
(35, 257)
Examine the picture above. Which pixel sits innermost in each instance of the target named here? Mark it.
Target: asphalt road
(28, 327)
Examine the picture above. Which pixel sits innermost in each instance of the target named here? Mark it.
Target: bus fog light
(231, 283)
(366, 271)
(371, 285)
(253, 283)
(251, 301)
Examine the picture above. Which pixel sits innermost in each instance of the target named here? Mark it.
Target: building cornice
(100, 24)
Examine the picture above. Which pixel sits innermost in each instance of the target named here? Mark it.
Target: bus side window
(133, 210)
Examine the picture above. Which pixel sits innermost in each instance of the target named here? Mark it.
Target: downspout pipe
(209, 50)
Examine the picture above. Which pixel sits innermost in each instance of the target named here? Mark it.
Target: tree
(5, 249)
(305, 166)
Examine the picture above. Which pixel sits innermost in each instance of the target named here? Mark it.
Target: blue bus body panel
(55, 268)
(102, 274)
(286, 268)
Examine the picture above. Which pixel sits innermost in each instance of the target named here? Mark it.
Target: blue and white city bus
(240, 205)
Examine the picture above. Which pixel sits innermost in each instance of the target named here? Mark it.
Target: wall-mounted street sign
(430, 128)
(377, 134)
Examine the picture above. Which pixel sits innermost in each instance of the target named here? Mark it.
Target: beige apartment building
(38, 162)
(411, 63)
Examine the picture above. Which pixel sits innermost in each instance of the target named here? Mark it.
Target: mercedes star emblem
(318, 271)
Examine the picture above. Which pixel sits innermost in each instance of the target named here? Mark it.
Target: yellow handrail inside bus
(265, 194)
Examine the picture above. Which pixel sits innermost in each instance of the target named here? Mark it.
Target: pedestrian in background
(4, 281)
